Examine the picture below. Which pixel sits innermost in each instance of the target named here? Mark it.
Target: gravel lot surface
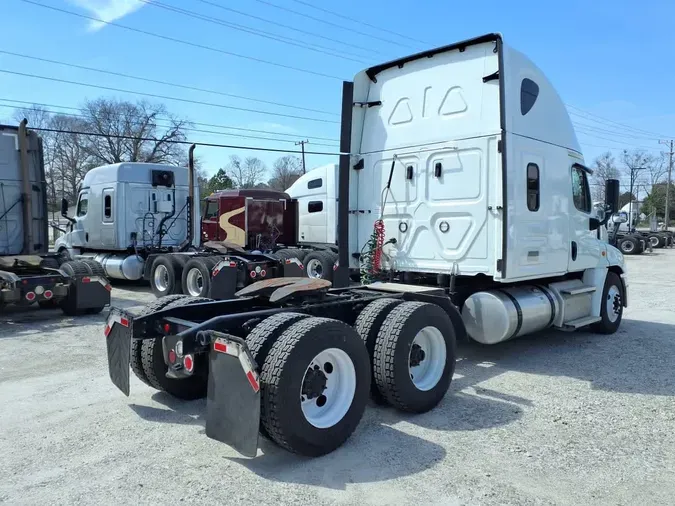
(557, 418)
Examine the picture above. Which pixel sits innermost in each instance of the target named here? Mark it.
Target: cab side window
(83, 205)
(581, 192)
(211, 212)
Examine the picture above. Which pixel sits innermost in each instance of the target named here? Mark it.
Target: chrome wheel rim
(194, 282)
(161, 278)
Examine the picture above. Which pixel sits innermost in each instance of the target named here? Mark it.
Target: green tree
(656, 200)
(219, 181)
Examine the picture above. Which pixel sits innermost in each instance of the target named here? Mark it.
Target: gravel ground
(557, 418)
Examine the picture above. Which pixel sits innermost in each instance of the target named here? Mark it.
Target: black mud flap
(224, 280)
(233, 399)
(91, 292)
(293, 268)
(118, 341)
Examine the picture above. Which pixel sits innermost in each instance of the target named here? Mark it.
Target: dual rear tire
(316, 373)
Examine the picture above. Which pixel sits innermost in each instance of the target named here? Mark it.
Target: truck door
(210, 229)
(80, 234)
(108, 232)
(584, 248)
(313, 209)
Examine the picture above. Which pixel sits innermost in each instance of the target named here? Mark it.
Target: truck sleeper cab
(465, 187)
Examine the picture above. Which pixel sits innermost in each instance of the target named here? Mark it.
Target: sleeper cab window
(581, 192)
(314, 183)
(107, 207)
(529, 91)
(315, 206)
(533, 187)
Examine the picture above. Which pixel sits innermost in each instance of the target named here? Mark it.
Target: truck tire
(611, 307)
(69, 304)
(656, 241)
(288, 253)
(165, 276)
(415, 333)
(49, 263)
(152, 359)
(628, 245)
(95, 268)
(196, 277)
(313, 356)
(319, 265)
(136, 344)
(264, 335)
(368, 325)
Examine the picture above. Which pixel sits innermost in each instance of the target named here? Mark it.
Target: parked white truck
(463, 183)
(125, 211)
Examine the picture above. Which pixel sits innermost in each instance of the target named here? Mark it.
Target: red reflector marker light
(172, 357)
(86, 280)
(263, 273)
(215, 273)
(48, 294)
(167, 328)
(221, 347)
(108, 287)
(253, 381)
(188, 363)
(106, 331)
(252, 274)
(124, 322)
(30, 296)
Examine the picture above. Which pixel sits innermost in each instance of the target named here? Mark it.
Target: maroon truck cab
(250, 218)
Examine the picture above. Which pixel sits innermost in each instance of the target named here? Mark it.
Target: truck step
(581, 322)
(578, 290)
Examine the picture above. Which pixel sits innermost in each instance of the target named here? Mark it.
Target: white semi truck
(463, 186)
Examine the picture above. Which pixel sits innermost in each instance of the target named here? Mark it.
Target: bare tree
(640, 159)
(285, 171)
(247, 173)
(70, 158)
(604, 168)
(37, 116)
(131, 132)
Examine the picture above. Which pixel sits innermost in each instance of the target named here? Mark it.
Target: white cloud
(107, 10)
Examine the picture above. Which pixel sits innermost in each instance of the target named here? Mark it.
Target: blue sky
(611, 60)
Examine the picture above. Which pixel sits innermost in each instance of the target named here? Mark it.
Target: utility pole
(302, 144)
(633, 177)
(670, 170)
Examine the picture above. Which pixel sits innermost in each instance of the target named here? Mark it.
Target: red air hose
(379, 243)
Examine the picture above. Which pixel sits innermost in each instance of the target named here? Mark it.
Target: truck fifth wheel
(465, 202)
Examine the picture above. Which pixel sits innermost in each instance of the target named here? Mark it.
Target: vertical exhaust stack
(26, 192)
(341, 278)
(191, 197)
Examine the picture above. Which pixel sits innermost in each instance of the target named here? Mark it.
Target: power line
(245, 29)
(167, 83)
(184, 42)
(358, 21)
(275, 23)
(165, 97)
(212, 125)
(606, 120)
(198, 130)
(332, 24)
(626, 134)
(198, 143)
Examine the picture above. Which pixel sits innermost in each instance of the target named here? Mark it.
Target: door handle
(574, 250)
